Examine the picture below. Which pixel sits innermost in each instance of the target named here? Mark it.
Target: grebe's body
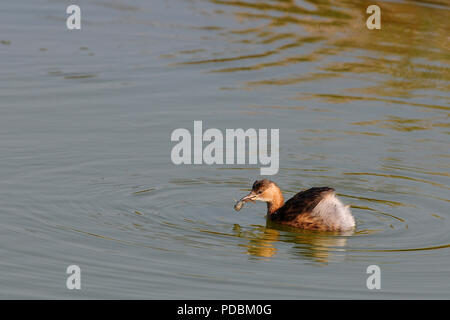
(313, 209)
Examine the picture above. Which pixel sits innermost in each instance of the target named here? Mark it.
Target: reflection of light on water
(410, 52)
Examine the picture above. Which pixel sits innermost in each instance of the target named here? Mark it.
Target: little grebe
(314, 209)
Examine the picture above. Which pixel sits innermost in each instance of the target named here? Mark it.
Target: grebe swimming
(313, 209)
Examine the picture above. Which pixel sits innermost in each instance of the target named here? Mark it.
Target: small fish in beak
(238, 206)
(250, 197)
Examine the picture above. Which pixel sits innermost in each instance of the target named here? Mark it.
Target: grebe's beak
(252, 196)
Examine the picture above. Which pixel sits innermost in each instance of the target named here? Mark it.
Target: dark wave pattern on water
(86, 176)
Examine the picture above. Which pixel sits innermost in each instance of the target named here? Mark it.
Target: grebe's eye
(260, 191)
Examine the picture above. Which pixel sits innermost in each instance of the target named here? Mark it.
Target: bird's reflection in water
(260, 240)
(263, 242)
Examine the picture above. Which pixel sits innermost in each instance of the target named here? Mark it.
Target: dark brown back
(302, 203)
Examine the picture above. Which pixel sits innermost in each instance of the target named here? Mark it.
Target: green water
(86, 176)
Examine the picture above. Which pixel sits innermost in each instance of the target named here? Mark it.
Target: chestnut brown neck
(277, 201)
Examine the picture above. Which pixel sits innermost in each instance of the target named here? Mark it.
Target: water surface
(85, 170)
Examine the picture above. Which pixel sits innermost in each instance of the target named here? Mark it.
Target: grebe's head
(262, 190)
